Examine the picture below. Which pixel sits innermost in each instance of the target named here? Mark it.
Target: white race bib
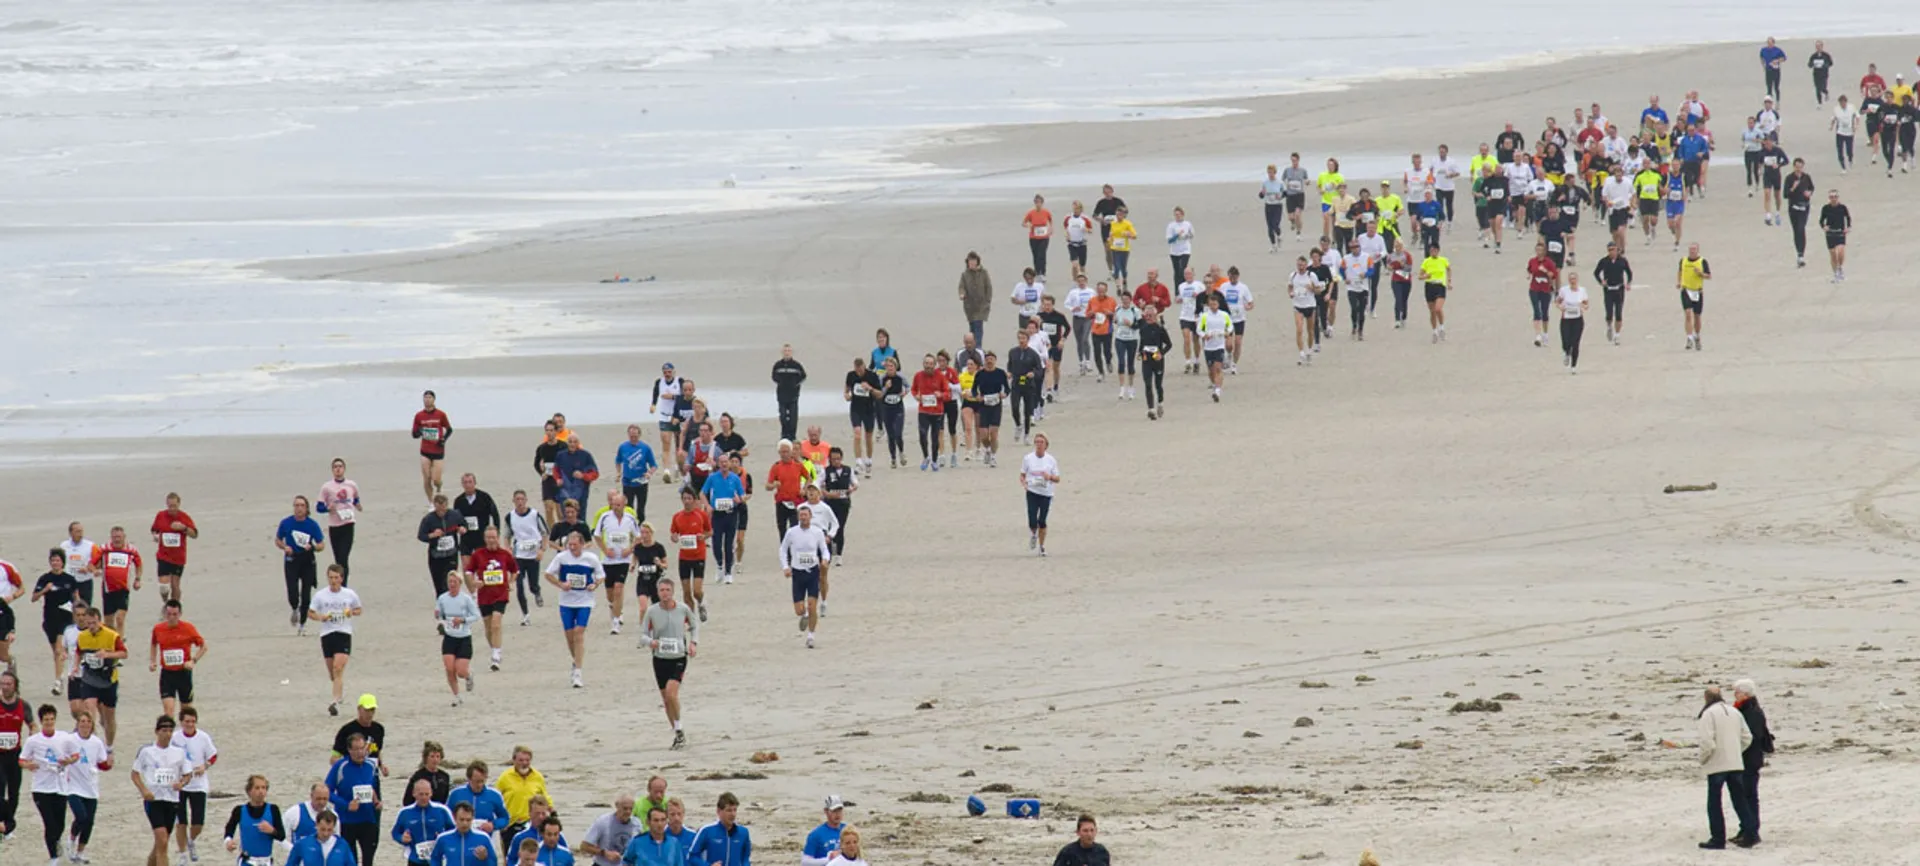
(363, 793)
(121, 560)
(724, 503)
(1429, 221)
(163, 777)
(703, 467)
(493, 577)
(929, 399)
(423, 851)
(169, 539)
(576, 581)
(1099, 318)
(173, 657)
(617, 540)
(302, 540)
(9, 740)
(893, 399)
(991, 399)
(1676, 195)
(1038, 483)
(259, 861)
(860, 390)
(1693, 295)
(689, 542)
(443, 543)
(473, 524)
(670, 645)
(526, 548)
(1496, 194)
(1041, 230)
(1555, 246)
(806, 560)
(430, 434)
(344, 513)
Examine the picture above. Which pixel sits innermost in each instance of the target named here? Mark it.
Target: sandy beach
(1256, 615)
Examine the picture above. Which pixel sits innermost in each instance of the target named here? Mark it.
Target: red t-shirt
(496, 570)
(12, 719)
(432, 429)
(1541, 274)
(692, 523)
(1872, 81)
(930, 391)
(1039, 223)
(1154, 294)
(787, 478)
(176, 643)
(1588, 135)
(173, 544)
(116, 565)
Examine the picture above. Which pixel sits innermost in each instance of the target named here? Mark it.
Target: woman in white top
(1572, 301)
(849, 851)
(528, 530)
(1039, 472)
(83, 782)
(160, 770)
(1844, 118)
(47, 753)
(1180, 241)
(334, 609)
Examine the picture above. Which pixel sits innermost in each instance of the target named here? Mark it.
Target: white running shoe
(578, 681)
(524, 620)
(809, 640)
(615, 627)
(823, 608)
(726, 577)
(469, 688)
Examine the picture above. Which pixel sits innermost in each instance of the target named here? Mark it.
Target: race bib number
(576, 581)
(173, 657)
(169, 539)
(1570, 210)
(423, 851)
(1041, 230)
(617, 540)
(259, 861)
(431, 434)
(473, 524)
(703, 467)
(1038, 483)
(724, 503)
(525, 549)
(929, 399)
(1295, 186)
(9, 740)
(670, 645)
(991, 399)
(893, 399)
(336, 616)
(121, 560)
(689, 542)
(1496, 194)
(164, 777)
(345, 514)
(806, 560)
(1676, 195)
(1555, 246)
(302, 540)
(493, 577)
(1099, 318)
(444, 544)
(860, 390)
(1693, 296)
(363, 793)
(1429, 222)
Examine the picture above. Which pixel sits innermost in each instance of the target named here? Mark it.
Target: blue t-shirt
(1658, 115)
(722, 486)
(1693, 147)
(1771, 53)
(309, 528)
(877, 359)
(822, 842)
(636, 460)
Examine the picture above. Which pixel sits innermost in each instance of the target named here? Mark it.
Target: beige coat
(1723, 738)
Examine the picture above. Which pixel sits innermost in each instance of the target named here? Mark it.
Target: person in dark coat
(1756, 755)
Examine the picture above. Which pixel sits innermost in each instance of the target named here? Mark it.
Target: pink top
(341, 502)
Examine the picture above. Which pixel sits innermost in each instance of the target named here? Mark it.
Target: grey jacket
(976, 294)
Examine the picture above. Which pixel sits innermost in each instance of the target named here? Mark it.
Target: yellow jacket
(517, 790)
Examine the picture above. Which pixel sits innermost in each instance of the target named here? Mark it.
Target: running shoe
(923, 465)
(726, 577)
(578, 682)
(493, 665)
(525, 621)
(470, 682)
(333, 709)
(809, 641)
(823, 603)
(703, 613)
(456, 700)
(193, 851)
(538, 601)
(936, 465)
(1216, 395)
(802, 624)
(679, 740)
(614, 628)
(56, 688)
(293, 617)
(1033, 540)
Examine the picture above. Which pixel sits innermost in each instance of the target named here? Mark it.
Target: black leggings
(1888, 142)
(1025, 399)
(1153, 377)
(893, 417)
(1773, 81)
(1103, 352)
(637, 499)
(840, 509)
(53, 817)
(529, 576)
(1401, 291)
(1357, 310)
(1797, 215)
(1128, 355)
(726, 525)
(1446, 202)
(1615, 302)
(1037, 508)
(1753, 167)
(340, 538)
(9, 791)
(84, 808)
(1570, 330)
(1179, 265)
(1039, 246)
(929, 437)
(1819, 86)
(365, 838)
(1275, 213)
(300, 582)
(1843, 148)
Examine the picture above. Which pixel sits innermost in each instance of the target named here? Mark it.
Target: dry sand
(1408, 524)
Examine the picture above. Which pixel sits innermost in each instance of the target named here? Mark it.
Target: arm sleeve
(233, 823)
(275, 817)
(785, 560)
(426, 526)
(416, 426)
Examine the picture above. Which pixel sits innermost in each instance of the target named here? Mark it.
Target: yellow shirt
(1330, 182)
(106, 640)
(1895, 93)
(516, 790)
(1480, 162)
(1389, 211)
(966, 387)
(1648, 182)
(1121, 238)
(1343, 211)
(1693, 274)
(1434, 268)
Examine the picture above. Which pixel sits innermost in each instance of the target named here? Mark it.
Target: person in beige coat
(1724, 738)
(976, 297)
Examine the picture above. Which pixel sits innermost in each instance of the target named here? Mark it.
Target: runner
(47, 752)
(1614, 275)
(1773, 161)
(969, 404)
(577, 470)
(492, 571)
(722, 494)
(1798, 190)
(304, 814)
(116, 563)
(1295, 179)
(171, 529)
(334, 608)
(529, 532)
(1120, 237)
(1329, 182)
(420, 823)
(160, 770)
(1650, 186)
(943, 365)
(1572, 301)
(489, 807)
(1676, 202)
(1027, 366)
(991, 388)
(1189, 291)
(1122, 339)
(1107, 212)
(174, 650)
(201, 754)
(825, 520)
(1909, 121)
(432, 427)
(803, 552)
(689, 530)
(1493, 188)
(1039, 225)
(862, 387)
(788, 376)
(12, 587)
(577, 571)
(82, 784)
(56, 595)
(431, 770)
(1214, 327)
(614, 529)
(1026, 296)
(1238, 302)
(1542, 276)
(1835, 221)
(1428, 215)
(1845, 119)
(1039, 472)
(1691, 281)
(666, 389)
(838, 484)
(701, 457)
(79, 550)
(893, 391)
(455, 612)
(1438, 274)
(16, 725)
(1304, 288)
(1179, 241)
(94, 682)
(1399, 268)
(1079, 226)
(1154, 344)
(1273, 200)
(544, 456)
(1099, 324)
(1355, 271)
(637, 465)
(440, 530)
(340, 500)
(1446, 174)
(353, 787)
(650, 563)
(930, 395)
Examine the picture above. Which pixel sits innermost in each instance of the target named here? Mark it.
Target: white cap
(834, 802)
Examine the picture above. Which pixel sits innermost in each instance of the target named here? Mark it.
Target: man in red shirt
(115, 563)
(175, 648)
(1153, 292)
(1872, 82)
(1543, 278)
(16, 724)
(432, 427)
(491, 572)
(689, 530)
(171, 529)
(785, 478)
(930, 393)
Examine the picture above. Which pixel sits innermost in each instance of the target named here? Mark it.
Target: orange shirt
(116, 564)
(692, 523)
(786, 478)
(1039, 223)
(176, 643)
(1100, 311)
(816, 452)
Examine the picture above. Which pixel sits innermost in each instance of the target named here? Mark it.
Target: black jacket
(1024, 365)
(481, 512)
(1762, 745)
(787, 376)
(449, 524)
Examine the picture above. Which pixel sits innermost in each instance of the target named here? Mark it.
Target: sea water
(152, 149)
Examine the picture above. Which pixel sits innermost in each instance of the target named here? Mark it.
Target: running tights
(53, 817)
(1773, 81)
(529, 575)
(726, 525)
(9, 791)
(637, 497)
(1082, 344)
(840, 509)
(893, 417)
(1753, 167)
(930, 437)
(1026, 398)
(1820, 86)
(1797, 215)
(1039, 246)
(1120, 264)
(340, 538)
(1401, 291)
(1153, 378)
(785, 515)
(365, 839)
(1887, 147)
(1570, 330)
(1373, 288)
(300, 582)
(1275, 213)
(1615, 302)
(1179, 266)
(83, 812)
(1128, 354)
(1037, 508)
(1357, 310)
(1429, 236)
(1843, 148)
(1102, 352)
(1446, 202)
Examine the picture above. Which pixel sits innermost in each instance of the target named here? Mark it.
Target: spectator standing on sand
(976, 297)
(1724, 739)
(1754, 757)
(1083, 851)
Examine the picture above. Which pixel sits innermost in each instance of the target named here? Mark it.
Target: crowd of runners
(576, 533)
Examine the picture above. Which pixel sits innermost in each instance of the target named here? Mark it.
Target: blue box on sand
(1023, 808)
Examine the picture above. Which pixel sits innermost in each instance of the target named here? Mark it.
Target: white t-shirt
(1416, 181)
(1519, 176)
(1237, 295)
(580, 573)
(1189, 301)
(1213, 329)
(669, 394)
(1444, 172)
(1077, 299)
(1570, 298)
(1373, 246)
(79, 554)
(1179, 238)
(1354, 267)
(83, 776)
(528, 532)
(804, 548)
(160, 768)
(1028, 296)
(1539, 189)
(1035, 469)
(1618, 192)
(823, 517)
(199, 751)
(1843, 119)
(49, 777)
(618, 531)
(1040, 342)
(335, 608)
(71, 638)
(1767, 121)
(1301, 287)
(1077, 227)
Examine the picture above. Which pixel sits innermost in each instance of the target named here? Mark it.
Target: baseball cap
(368, 703)
(834, 802)
(667, 366)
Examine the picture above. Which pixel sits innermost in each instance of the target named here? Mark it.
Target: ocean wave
(35, 25)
